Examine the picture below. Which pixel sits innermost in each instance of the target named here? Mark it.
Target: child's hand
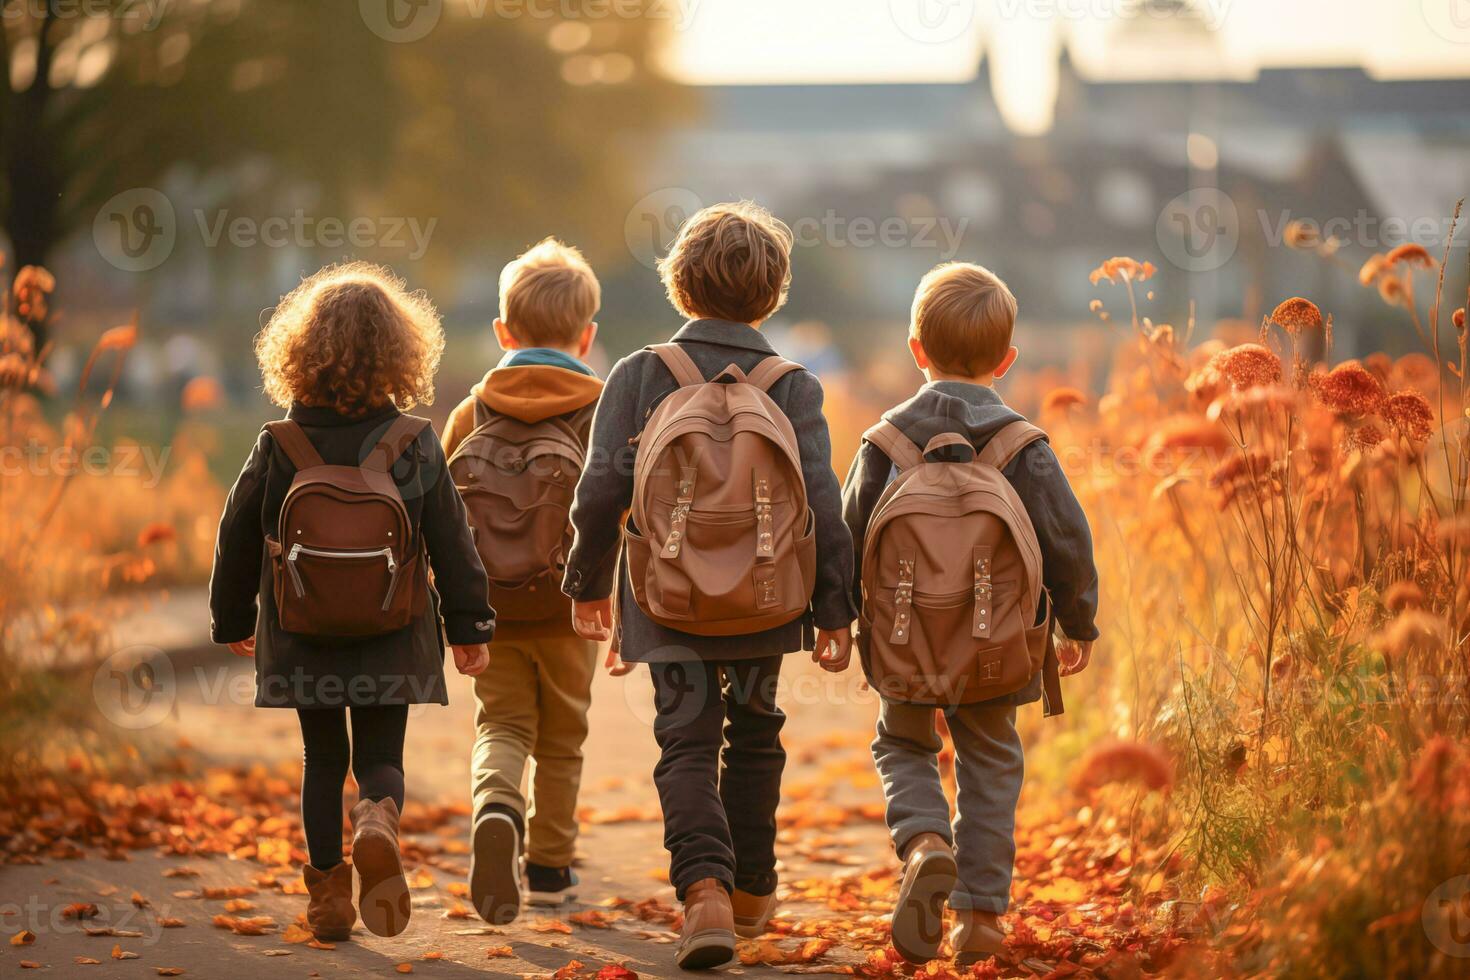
(1074, 655)
(593, 620)
(834, 649)
(471, 660)
(243, 648)
(615, 664)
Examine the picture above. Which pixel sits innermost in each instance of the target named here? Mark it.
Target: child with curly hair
(345, 353)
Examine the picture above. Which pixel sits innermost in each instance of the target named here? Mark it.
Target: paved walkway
(830, 816)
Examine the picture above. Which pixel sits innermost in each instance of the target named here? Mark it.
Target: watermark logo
(654, 220)
(1198, 231)
(138, 229)
(1446, 917)
(135, 231)
(1450, 19)
(401, 21)
(932, 21)
(135, 688)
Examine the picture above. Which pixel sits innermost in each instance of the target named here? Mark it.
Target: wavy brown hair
(352, 338)
(731, 262)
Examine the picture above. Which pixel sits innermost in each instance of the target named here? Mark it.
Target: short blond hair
(963, 317)
(729, 262)
(351, 337)
(548, 294)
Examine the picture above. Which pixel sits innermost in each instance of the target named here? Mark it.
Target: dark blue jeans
(719, 770)
(989, 766)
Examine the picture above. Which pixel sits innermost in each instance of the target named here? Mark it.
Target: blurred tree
(465, 118)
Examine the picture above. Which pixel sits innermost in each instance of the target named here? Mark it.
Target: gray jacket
(978, 412)
(639, 382)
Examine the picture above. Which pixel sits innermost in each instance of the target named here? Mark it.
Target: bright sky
(753, 41)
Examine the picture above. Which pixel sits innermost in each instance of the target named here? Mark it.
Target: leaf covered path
(198, 870)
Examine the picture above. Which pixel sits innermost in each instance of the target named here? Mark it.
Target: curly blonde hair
(352, 338)
(730, 262)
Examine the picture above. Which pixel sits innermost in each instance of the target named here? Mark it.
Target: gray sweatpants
(988, 767)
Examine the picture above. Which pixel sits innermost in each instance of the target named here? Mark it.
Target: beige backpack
(517, 480)
(345, 558)
(951, 576)
(725, 542)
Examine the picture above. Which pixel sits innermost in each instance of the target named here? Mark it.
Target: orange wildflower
(1410, 415)
(1349, 389)
(1248, 365)
(1297, 315)
(1410, 253)
(1402, 595)
(1371, 270)
(1061, 399)
(1120, 268)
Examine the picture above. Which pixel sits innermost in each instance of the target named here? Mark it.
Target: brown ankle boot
(752, 912)
(976, 936)
(329, 912)
(708, 938)
(382, 897)
(929, 873)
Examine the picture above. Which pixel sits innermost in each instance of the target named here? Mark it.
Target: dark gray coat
(978, 412)
(402, 667)
(637, 383)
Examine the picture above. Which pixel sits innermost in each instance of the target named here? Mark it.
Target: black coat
(403, 667)
(637, 383)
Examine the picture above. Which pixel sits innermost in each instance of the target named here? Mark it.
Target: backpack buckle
(765, 537)
(679, 513)
(903, 600)
(984, 592)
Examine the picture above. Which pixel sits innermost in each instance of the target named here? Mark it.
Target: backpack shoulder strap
(482, 412)
(679, 363)
(291, 437)
(1010, 440)
(394, 443)
(771, 370)
(899, 448)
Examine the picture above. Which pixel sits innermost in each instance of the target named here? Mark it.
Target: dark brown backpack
(951, 576)
(518, 479)
(346, 558)
(725, 540)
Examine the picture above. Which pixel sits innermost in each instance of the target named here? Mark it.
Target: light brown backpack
(517, 479)
(951, 576)
(725, 540)
(345, 558)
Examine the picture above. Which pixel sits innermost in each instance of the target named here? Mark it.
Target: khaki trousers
(534, 698)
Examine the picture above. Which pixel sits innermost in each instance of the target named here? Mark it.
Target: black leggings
(375, 755)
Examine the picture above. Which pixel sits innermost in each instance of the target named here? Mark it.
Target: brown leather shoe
(329, 912)
(382, 897)
(708, 937)
(929, 873)
(976, 936)
(752, 912)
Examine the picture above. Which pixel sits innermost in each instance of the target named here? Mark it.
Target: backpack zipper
(299, 549)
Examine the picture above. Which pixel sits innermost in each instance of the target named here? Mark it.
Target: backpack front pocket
(924, 649)
(322, 591)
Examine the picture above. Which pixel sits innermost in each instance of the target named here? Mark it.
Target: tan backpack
(951, 576)
(345, 557)
(725, 542)
(518, 479)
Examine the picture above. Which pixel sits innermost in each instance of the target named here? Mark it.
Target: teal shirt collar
(544, 357)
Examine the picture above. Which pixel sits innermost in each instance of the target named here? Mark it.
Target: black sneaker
(550, 886)
(495, 865)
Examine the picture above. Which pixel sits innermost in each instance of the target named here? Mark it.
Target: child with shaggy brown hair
(345, 353)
